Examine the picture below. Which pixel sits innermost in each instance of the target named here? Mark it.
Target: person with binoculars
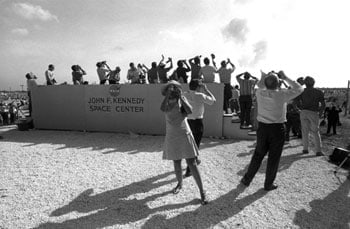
(77, 74)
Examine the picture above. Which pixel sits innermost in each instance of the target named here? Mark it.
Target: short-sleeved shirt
(225, 75)
(310, 99)
(208, 73)
(133, 75)
(197, 101)
(102, 73)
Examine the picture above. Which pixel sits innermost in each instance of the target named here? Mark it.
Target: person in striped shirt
(246, 85)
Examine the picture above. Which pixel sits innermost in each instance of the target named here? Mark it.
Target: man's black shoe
(270, 188)
(245, 182)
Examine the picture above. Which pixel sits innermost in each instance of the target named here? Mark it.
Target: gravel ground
(62, 179)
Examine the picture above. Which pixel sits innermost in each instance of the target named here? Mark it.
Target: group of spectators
(8, 113)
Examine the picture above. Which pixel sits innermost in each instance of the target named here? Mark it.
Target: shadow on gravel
(98, 141)
(322, 210)
(114, 207)
(207, 216)
(285, 163)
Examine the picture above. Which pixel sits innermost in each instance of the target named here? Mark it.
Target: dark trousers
(332, 123)
(293, 123)
(270, 139)
(197, 128)
(245, 103)
(227, 97)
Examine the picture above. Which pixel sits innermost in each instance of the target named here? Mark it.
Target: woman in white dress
(179, 143)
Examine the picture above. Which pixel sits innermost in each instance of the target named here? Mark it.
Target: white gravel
(62, 179)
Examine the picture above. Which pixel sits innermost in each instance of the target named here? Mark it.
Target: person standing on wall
(207, 72)
(133, 74)
(181, 71)
(195, 64)
(225, 78)
(163, 71)
(102, 71)
(49, 75)
(114, 76)
(311, 105)
(246, 86)
(179, 143)
(198, 95)
(272, 103)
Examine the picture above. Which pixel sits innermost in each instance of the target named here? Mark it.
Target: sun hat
(171, 82)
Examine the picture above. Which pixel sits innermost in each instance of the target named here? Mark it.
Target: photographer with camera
(271, 116)
(163, 71)
(246, 86)
(225, 78)
(77, 74)
(181, 71)
(195, 64)
(311, 105)
(103, 71)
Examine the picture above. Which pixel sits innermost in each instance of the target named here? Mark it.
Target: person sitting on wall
(133, 74)
(181, 71)
(208, 71)
(31, 83)
(114, 76)
(103, 71)
(49, 75)
(195, 64)
(142, 73)
(225, 78)
(163, 70)
(152, 73)
(77, 75)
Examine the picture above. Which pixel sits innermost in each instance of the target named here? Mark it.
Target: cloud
(237, 30)
(242, 1)
(29, 11)
(118, 48)
(259, 50)
(20, 31)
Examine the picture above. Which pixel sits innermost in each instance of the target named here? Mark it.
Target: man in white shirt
(272, 104)
(197, 97)
(50, 80)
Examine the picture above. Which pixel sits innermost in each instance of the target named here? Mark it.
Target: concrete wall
(113, 108)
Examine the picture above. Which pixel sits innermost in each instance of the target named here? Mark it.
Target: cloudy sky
(302, 37)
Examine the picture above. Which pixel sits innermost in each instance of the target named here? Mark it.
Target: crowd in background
(239, 99)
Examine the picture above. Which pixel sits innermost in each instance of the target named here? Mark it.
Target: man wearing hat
(272, 103)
